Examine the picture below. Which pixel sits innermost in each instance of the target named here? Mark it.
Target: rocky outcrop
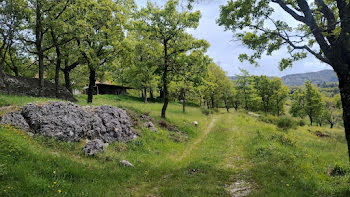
(70, 122)
(30, 87)
(93, 147)
(15, 119)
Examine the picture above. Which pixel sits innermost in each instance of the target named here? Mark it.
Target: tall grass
(273, 162)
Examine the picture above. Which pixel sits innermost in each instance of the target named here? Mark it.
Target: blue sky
(224, 50)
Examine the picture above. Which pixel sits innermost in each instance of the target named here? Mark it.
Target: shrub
(302, 122)
(285, 123)
(269, 119)
(339, 170)
(205, 111)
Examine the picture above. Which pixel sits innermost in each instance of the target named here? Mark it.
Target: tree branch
(290, 11)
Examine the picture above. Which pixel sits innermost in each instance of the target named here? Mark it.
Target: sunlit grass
(238, 147)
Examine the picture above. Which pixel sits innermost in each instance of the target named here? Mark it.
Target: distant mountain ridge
(320, 77)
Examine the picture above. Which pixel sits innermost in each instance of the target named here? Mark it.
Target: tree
(280, 95)
(142, 71)
(192, 69)
(12, 14)
(243, 85)
(100, 26)
(322, 30)
(307, 102)
(263, 86)
(332, 113)
(168, 27)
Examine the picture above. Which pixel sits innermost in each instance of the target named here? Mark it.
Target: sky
(224, 49)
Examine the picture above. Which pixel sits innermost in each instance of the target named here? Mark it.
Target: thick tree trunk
(166, 100)
(332, 125)
(344, 86)
(67, 80)
(310, 117)
(165, 79)
(145, 95)
(92, 83)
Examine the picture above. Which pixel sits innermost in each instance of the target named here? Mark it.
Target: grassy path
(193, 145)
(228, 154)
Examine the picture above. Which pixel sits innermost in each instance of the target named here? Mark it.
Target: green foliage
(307, 102)
(286, 123)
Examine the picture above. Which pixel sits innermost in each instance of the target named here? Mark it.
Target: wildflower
(59, 191)
(287, 185)
(54, 182)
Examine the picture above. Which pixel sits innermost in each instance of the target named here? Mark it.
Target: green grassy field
(208, 160)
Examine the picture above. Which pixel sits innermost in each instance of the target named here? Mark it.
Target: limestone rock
(93, 147)
(15, 119)
(149, 125)
(70, 122)
(126, 163)
(63, 121)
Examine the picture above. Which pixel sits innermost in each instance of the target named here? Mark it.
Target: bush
(339, 170)
(269, 119)
(302, 122)
(205, 111)
(285, 123)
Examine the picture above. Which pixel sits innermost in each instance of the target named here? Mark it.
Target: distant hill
(320, 77)
(323, 76)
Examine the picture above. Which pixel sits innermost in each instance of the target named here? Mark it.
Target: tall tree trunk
(165, 80)
(3, 79)
(38, 44)
(344, 86)
(212, 102)
(310, 117)
(145, 95)
(226, 106)
(14, 68)
(151, 94)
(200, 100)
(332, 125)
(166, 93)
(92, 83)
(67, 80)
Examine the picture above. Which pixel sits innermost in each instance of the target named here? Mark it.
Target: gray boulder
(63, 121)
(115, 125)
(149, 125)
(93, 147)
(70, 122)
(15, 119)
